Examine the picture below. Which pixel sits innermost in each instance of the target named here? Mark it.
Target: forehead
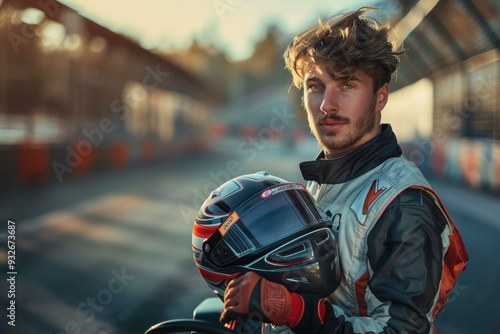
(320, 72)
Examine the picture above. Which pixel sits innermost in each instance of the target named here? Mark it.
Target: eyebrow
(313, 79)
(345, 78)
(342, 79)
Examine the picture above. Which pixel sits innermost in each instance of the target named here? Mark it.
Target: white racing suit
(400, 252)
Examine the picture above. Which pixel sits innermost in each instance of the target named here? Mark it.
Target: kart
(206, 321)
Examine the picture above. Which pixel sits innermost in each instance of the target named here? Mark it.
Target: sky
(234, 25)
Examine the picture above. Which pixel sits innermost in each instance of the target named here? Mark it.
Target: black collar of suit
(366, 157)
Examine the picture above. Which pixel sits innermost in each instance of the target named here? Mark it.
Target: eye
(347, 86)
(314, 87)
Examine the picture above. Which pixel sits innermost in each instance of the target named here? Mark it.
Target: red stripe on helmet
(212, 276)
(204, 231)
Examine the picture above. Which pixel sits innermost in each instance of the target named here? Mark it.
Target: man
(400, 252)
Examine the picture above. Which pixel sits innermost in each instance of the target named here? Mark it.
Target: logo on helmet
(226, 225)
(269, 192)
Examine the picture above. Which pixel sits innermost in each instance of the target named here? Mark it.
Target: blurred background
(117, 119)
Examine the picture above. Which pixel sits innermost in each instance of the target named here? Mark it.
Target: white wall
(409, 110)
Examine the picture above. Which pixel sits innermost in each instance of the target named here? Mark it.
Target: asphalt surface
(111, 253)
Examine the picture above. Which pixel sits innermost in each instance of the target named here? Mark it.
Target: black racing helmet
(261, 223)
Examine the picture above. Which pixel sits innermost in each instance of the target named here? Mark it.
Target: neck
(336, 154)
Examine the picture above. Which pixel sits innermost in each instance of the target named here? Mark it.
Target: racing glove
(251, 295)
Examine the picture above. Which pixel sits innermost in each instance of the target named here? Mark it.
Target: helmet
(261, 223)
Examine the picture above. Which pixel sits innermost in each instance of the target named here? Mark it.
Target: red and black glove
(272, 302)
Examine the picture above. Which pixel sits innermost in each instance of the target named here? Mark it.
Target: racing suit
(400, 252)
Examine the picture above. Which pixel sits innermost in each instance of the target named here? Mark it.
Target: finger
(231, 300)
(232, 291)
(228, 315)
(234, 282)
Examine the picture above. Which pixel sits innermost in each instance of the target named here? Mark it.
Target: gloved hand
(250, 293)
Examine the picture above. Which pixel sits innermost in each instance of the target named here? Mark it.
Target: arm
(405, 255)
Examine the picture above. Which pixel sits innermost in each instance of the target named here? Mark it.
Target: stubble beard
(332, 141)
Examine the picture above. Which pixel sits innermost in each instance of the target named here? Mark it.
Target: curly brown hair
(344, 45)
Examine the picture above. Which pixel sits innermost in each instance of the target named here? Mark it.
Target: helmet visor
(264, 220)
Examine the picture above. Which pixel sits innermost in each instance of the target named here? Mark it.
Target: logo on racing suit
(372, 195)
(371, 191)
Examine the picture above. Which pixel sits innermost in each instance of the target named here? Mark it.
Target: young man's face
(342, 115)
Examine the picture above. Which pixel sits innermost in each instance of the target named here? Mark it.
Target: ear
(382, 97)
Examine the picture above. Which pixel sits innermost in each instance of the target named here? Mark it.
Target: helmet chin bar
(308, 264)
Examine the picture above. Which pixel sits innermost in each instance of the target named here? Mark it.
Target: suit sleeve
(405, 254)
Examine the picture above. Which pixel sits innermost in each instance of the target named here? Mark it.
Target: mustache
(332, 117)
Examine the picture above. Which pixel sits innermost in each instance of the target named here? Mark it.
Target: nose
(330, 100)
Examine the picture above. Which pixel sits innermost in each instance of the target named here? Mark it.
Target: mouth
(331, 124)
